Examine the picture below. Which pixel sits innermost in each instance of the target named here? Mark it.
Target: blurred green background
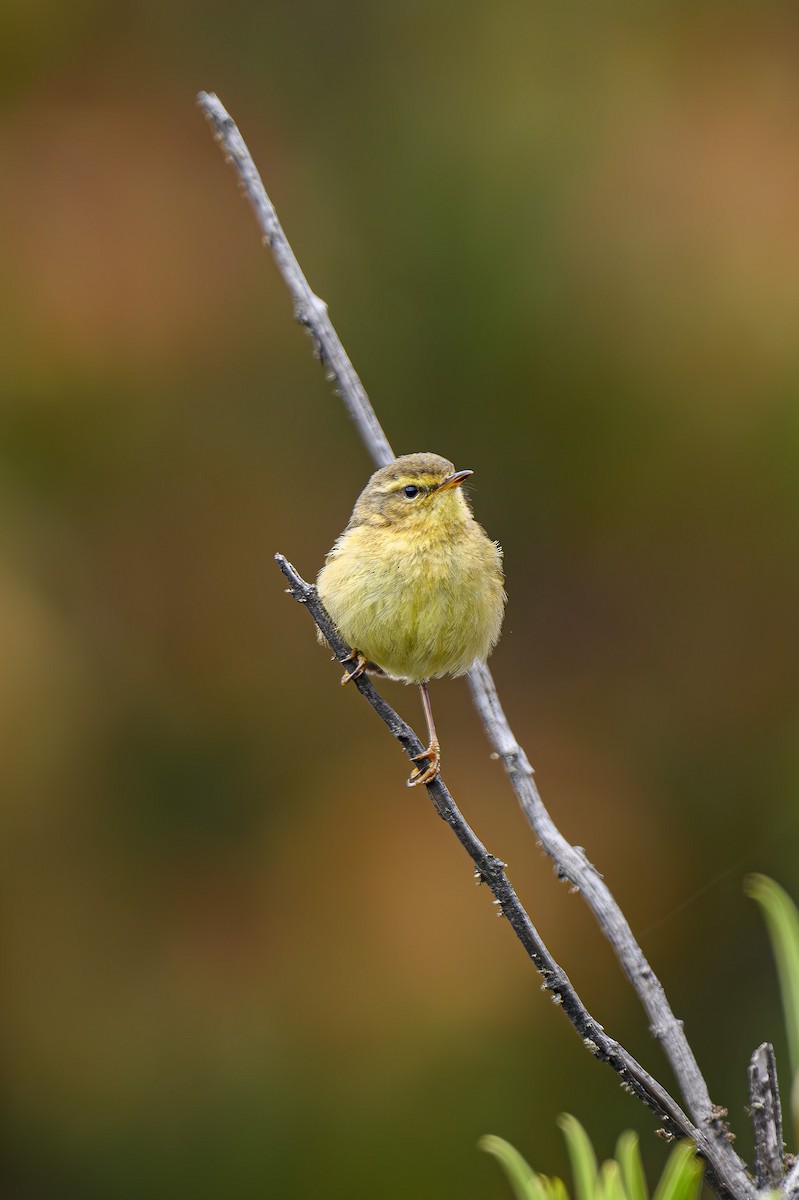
(561, 243)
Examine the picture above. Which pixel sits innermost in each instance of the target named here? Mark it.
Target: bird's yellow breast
(419, 599)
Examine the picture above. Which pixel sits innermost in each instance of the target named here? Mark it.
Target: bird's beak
(454, 480)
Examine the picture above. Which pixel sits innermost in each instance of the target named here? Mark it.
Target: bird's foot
(361, 663)
(432, 756)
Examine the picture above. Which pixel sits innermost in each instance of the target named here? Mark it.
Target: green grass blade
(581, 1157)
(611, 1182)
(682, 1175)
(527, 1184)
(782, 921)
(629, 1159)
(556, 1188)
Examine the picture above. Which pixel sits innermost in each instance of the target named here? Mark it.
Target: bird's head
(414, 491)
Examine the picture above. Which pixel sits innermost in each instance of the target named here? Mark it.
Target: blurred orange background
(561, 244)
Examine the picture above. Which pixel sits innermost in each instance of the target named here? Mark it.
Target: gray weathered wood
(766, 1113)
(728, 1172)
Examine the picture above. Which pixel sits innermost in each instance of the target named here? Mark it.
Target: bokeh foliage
(560, 243)
(619, 1178)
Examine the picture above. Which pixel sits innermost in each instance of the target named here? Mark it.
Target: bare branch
(766, 1111)
(570, 862)
(491, 871)
(309, 310)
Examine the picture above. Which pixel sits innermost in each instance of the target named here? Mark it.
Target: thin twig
(572, 864)
(570, 861)
(309, 310)
(766, 1112)
(491, 871)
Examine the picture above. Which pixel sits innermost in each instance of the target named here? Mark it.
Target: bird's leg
(361, 663)
(432, 755)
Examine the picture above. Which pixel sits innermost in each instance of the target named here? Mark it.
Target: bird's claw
(418, 775)
(361, 663)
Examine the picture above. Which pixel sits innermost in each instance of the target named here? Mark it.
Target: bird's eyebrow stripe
(423, 482)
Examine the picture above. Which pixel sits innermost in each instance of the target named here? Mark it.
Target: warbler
(414, 584)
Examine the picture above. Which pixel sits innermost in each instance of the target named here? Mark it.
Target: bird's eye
(411, 491)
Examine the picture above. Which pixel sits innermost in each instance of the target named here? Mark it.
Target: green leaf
(611, 1183)
(629, 1159)
(682, 1176)
(782, 920)
(526, 1183)
(581, 1156)
(619, 1179)
(556, 1188)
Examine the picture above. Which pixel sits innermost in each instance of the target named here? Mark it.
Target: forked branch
(727, 1171)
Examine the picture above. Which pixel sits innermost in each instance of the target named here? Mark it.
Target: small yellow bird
(414, 584)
